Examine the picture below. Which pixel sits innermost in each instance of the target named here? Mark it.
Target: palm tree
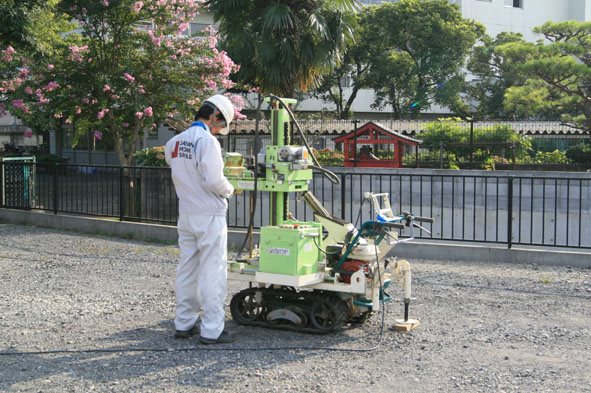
(284, 46)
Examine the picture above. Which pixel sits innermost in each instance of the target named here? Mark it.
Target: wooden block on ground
(405, 326)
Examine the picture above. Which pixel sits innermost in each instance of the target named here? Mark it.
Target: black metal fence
(486, 207)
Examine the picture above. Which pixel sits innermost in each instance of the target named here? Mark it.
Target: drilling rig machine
(311, 276)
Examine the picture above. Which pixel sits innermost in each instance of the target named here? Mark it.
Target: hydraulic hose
(254, 192)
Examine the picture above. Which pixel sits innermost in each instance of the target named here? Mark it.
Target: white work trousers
(201, 277)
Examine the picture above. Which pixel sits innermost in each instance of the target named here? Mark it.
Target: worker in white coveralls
(195, 159)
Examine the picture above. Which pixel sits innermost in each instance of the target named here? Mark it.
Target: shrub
(489, 141)
(580, 154)
(543, 157)
(329, 157)
(153, 156)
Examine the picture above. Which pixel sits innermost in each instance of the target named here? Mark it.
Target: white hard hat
(224, 105)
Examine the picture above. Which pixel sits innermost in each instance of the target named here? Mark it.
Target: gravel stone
(81, 313)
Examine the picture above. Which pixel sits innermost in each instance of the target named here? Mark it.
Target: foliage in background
(284, 46)
(557, 73)
(126, 67)
(546, 157)
(329, 157)
(153, 156)
(341, 86)
(492, 74)
(421, 49)
(487, 141)
(580, 154)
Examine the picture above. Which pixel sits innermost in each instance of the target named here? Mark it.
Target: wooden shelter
(362, 146)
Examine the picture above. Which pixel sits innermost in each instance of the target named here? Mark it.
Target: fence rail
(534, 210)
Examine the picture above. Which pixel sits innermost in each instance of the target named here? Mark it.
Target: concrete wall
(449, 251)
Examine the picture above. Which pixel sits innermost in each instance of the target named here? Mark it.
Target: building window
(487, 1)
(514, 3)
(458, 2)
(345, 81)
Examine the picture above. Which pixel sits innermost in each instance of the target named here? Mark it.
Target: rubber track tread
(273, 299)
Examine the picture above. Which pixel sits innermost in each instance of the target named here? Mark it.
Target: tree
(557, 74)
(126, 68)
(16, 19)
(333, 87)
(425, 47)
(283, 45)
(493, 75)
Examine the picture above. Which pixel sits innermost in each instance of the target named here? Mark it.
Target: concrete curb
(419, 249)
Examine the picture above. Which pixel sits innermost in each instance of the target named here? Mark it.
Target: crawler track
(306, 311)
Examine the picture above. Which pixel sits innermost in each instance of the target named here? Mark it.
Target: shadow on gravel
(150, 357)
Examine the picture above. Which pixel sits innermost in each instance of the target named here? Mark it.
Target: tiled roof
(411, 127)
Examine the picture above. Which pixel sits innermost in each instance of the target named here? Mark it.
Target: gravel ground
(80, 313)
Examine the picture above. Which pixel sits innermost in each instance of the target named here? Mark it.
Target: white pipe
(402, 270)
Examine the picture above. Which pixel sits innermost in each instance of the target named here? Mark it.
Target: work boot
(187, 333)
(224, 338)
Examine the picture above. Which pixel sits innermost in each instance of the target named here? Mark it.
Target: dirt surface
(81, 313)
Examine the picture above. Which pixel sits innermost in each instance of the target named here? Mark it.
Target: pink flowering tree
(126, 67)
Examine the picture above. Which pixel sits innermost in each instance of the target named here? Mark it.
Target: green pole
(280, 136)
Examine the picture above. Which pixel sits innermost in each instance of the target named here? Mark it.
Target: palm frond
(278, 17)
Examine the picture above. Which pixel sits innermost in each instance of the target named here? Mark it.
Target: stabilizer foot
(405, 326)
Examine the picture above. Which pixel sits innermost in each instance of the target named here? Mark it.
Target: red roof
(365, 129)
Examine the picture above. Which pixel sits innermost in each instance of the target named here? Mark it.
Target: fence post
(471, 142)
(343, 190)
(121, 194)
(440, 155)
(2, 187)
(55, 186)
(510, 211)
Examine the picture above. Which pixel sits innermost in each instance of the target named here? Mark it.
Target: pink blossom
(212, 41)
(78, 110)
(156, 41)
(137, 6)
(24, 73)
(29, 90)
(239, 103)
(139, 115)
(96, 134)
(125, 125)
(76, 52)
(7, 53)
(28, 133)
(106, 3)
(183, 27)
(101, 114)
(211, 84)
(141, 89)
(148, 112)
(58, 115)
(128, 77)
(50, 67)
(106, 88)
(68, 121)
(51, 86)
(20, 104)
